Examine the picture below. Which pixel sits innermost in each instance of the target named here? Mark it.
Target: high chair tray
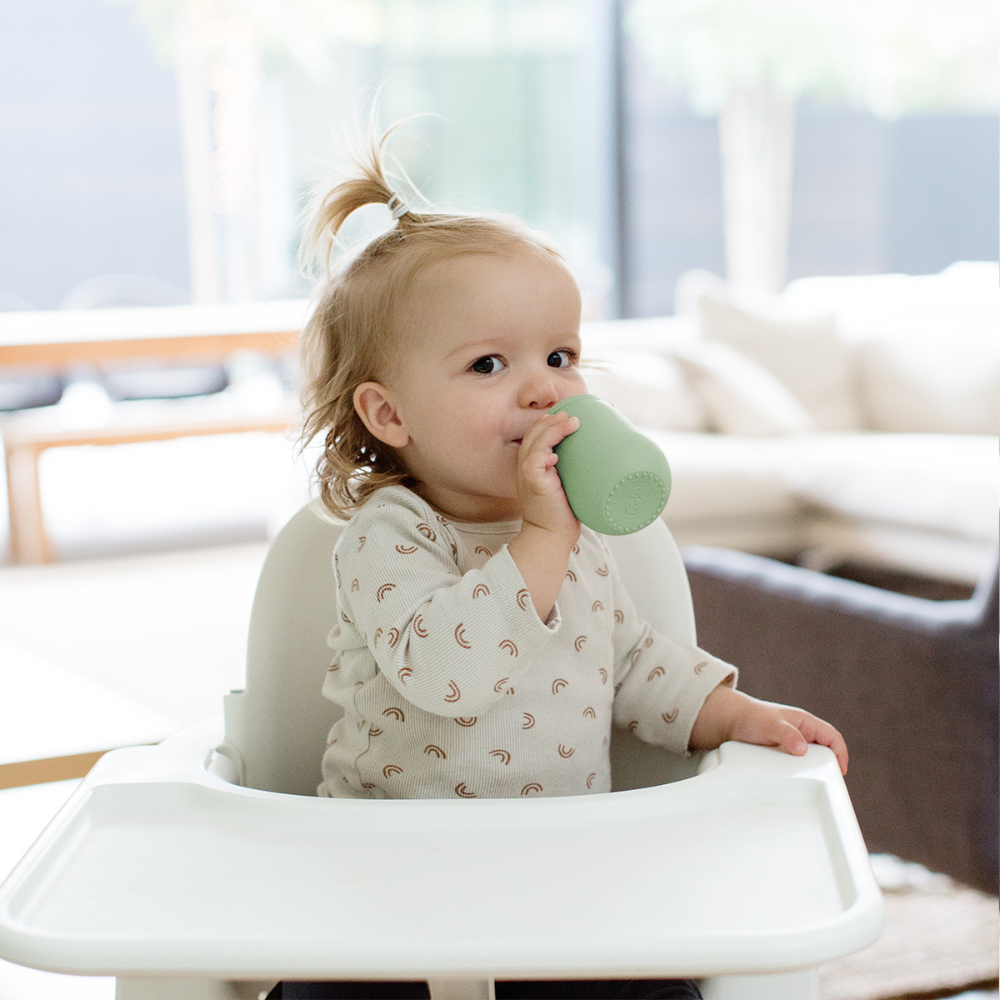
(157, 865)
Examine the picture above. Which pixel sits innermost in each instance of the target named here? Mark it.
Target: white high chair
(205, 867)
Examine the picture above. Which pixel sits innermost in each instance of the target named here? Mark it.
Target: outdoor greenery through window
(503, 91)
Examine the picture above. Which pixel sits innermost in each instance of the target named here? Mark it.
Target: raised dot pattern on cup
(649, 479)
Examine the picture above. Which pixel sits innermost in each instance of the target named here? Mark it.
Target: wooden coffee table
(62, 340)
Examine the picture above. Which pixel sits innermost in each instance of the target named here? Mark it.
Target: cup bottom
(633, 502)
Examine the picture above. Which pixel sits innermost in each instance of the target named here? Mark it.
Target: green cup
(616, 480)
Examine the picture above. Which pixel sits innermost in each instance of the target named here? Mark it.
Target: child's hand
(543, 501)
(549, 530)
(732, 715)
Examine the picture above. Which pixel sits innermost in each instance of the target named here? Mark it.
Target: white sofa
(850, 419)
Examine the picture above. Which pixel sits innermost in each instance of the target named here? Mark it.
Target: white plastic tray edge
(185, 759)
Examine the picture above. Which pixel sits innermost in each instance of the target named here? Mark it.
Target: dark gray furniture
(911, 683)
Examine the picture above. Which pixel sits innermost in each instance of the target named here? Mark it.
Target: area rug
(940, 938)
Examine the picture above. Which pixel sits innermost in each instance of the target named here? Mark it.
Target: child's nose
(539, 392)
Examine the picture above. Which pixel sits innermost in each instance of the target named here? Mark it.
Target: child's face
(487, 345)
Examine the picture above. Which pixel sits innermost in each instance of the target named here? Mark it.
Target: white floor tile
(50, 711)
(165, 631)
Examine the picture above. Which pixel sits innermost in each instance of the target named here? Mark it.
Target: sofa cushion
(944, 483)
(963, 296)
(832, 541)
(923, 503)
(929, 356)
(932, 384)
(730, 392)
(802, 350)
(648, 388)
(719, 477)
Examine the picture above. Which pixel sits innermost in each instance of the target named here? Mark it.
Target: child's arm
(732, 715)
(660, 681)
(550, 529)
(450, 642)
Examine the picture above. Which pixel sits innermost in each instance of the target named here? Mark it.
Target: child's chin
(501, 494)
(502, 490)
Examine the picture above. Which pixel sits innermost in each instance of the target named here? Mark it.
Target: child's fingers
(792, 730)
(536, 456)
(817, 731)
(803, 728)
(789, 738)
(766, 726)
(549, 431)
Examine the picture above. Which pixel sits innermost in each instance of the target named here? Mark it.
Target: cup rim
(579, 395)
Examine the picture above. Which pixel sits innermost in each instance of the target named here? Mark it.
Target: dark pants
(602, 989)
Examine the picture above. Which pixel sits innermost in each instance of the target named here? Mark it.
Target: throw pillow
(943, 385)
(740, 396)
(804, 352)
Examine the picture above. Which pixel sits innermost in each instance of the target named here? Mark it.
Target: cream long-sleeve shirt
(450, 683)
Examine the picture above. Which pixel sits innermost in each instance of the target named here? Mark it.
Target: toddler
(485, 644)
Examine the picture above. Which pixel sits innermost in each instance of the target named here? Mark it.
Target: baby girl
(485, 644)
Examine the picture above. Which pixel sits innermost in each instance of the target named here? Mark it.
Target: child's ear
(374, 405)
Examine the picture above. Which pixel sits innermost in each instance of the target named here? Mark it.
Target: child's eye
(489, 365)
(560, 359)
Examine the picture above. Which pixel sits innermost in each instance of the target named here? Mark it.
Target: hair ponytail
(329, 209)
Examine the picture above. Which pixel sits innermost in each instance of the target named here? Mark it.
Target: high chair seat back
(276, 728)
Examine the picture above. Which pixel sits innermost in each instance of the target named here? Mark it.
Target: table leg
(800, 985)
(28, 540)
(461, 989)
(188, 988)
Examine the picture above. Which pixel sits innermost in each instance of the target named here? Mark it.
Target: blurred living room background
(783, 217)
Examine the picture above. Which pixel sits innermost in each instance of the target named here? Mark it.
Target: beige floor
(166, 630)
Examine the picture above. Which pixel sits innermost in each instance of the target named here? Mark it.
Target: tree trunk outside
(196, 143)
(757, 135)
(219, 90)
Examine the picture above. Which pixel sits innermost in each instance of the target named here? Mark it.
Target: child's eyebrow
(472, 346)
(500, 342)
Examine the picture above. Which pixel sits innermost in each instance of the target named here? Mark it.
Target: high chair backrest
(276, 728)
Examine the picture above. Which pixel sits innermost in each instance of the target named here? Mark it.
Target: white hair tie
(397, 206)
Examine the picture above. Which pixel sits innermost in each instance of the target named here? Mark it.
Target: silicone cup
(616, 480)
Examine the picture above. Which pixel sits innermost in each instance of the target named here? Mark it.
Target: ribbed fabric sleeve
(660, 683)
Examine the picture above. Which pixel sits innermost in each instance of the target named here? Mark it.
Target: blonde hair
(349, 336)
